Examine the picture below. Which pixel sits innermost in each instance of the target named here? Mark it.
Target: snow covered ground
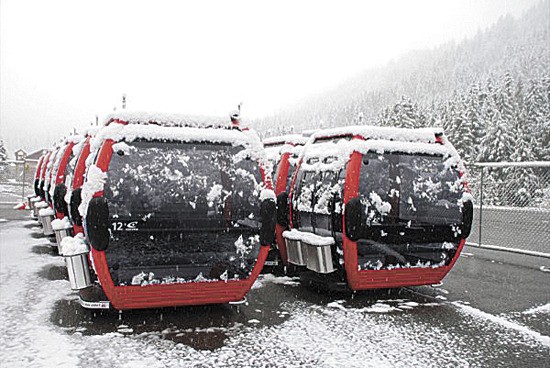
(10, 192)
(284, 324)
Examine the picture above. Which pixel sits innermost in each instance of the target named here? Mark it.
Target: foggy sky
(64, 62)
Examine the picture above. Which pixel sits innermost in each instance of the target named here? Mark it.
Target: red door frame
(43, 173)
(280, 187)
(60, 173)
(37, 173)
(53, 158)
(39, 167)
(78, 175)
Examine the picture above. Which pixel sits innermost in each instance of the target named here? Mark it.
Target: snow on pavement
(356, 332)
(545, 308)
(544, 340)
(27, 337)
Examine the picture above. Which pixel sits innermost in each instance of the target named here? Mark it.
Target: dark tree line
(504, 119)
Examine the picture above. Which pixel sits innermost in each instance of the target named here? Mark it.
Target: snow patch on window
(145, 279)
(122, 147)
(382, 207)
(214, 194)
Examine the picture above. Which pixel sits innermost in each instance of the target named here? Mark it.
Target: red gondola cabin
(378, 207)
(177, 211)
(61, 169)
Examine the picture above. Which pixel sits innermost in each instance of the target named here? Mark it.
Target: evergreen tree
(464, 132)
(537, 118)
(404, 114)
(3, 157)
(498, 143)
(474, 113)
(3, 153)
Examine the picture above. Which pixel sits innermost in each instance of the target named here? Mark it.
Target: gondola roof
(425, 135)
(168, 119)
(285, 139)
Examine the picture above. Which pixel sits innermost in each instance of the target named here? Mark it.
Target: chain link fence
(512, 206)
(16, 180)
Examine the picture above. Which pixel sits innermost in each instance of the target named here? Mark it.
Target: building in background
(20, 154)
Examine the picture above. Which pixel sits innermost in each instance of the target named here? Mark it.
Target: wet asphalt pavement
(483, 311)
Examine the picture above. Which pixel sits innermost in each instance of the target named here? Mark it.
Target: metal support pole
(24, 180)
(480, 204)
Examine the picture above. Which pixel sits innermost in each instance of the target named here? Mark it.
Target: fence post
(480, 204)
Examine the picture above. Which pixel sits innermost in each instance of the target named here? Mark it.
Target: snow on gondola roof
(132, 132)
(426, 135)
(274, 153)
(73, 138)
(332, 155)
(309, 132)
(288, 138)
(65, 140)
(89, 130)
(169, 119)
(276, 146)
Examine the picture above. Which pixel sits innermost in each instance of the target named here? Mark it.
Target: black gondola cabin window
(412, 211)
(317, 200)
(181, 212)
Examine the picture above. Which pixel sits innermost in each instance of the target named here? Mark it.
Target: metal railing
(16, 180)
(512, 210)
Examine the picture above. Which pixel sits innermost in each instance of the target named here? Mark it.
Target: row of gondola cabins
(168, 210)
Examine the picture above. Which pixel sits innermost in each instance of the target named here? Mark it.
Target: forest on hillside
(491, 94)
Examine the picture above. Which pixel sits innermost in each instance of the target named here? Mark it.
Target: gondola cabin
(39, 202)
(278, 151)
(177, 211)
(45, 211)
(377, 207)
(61, 169)
(49, 176)
(42, 181)
(282, 153)
(37, 173)
(35, 197)
(75, 179)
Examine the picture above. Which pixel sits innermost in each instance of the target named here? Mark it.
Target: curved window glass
(412, 211)
(317, 202)
(181, 212)
(401, 188)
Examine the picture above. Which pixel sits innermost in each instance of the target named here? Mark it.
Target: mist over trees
(491, 93)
